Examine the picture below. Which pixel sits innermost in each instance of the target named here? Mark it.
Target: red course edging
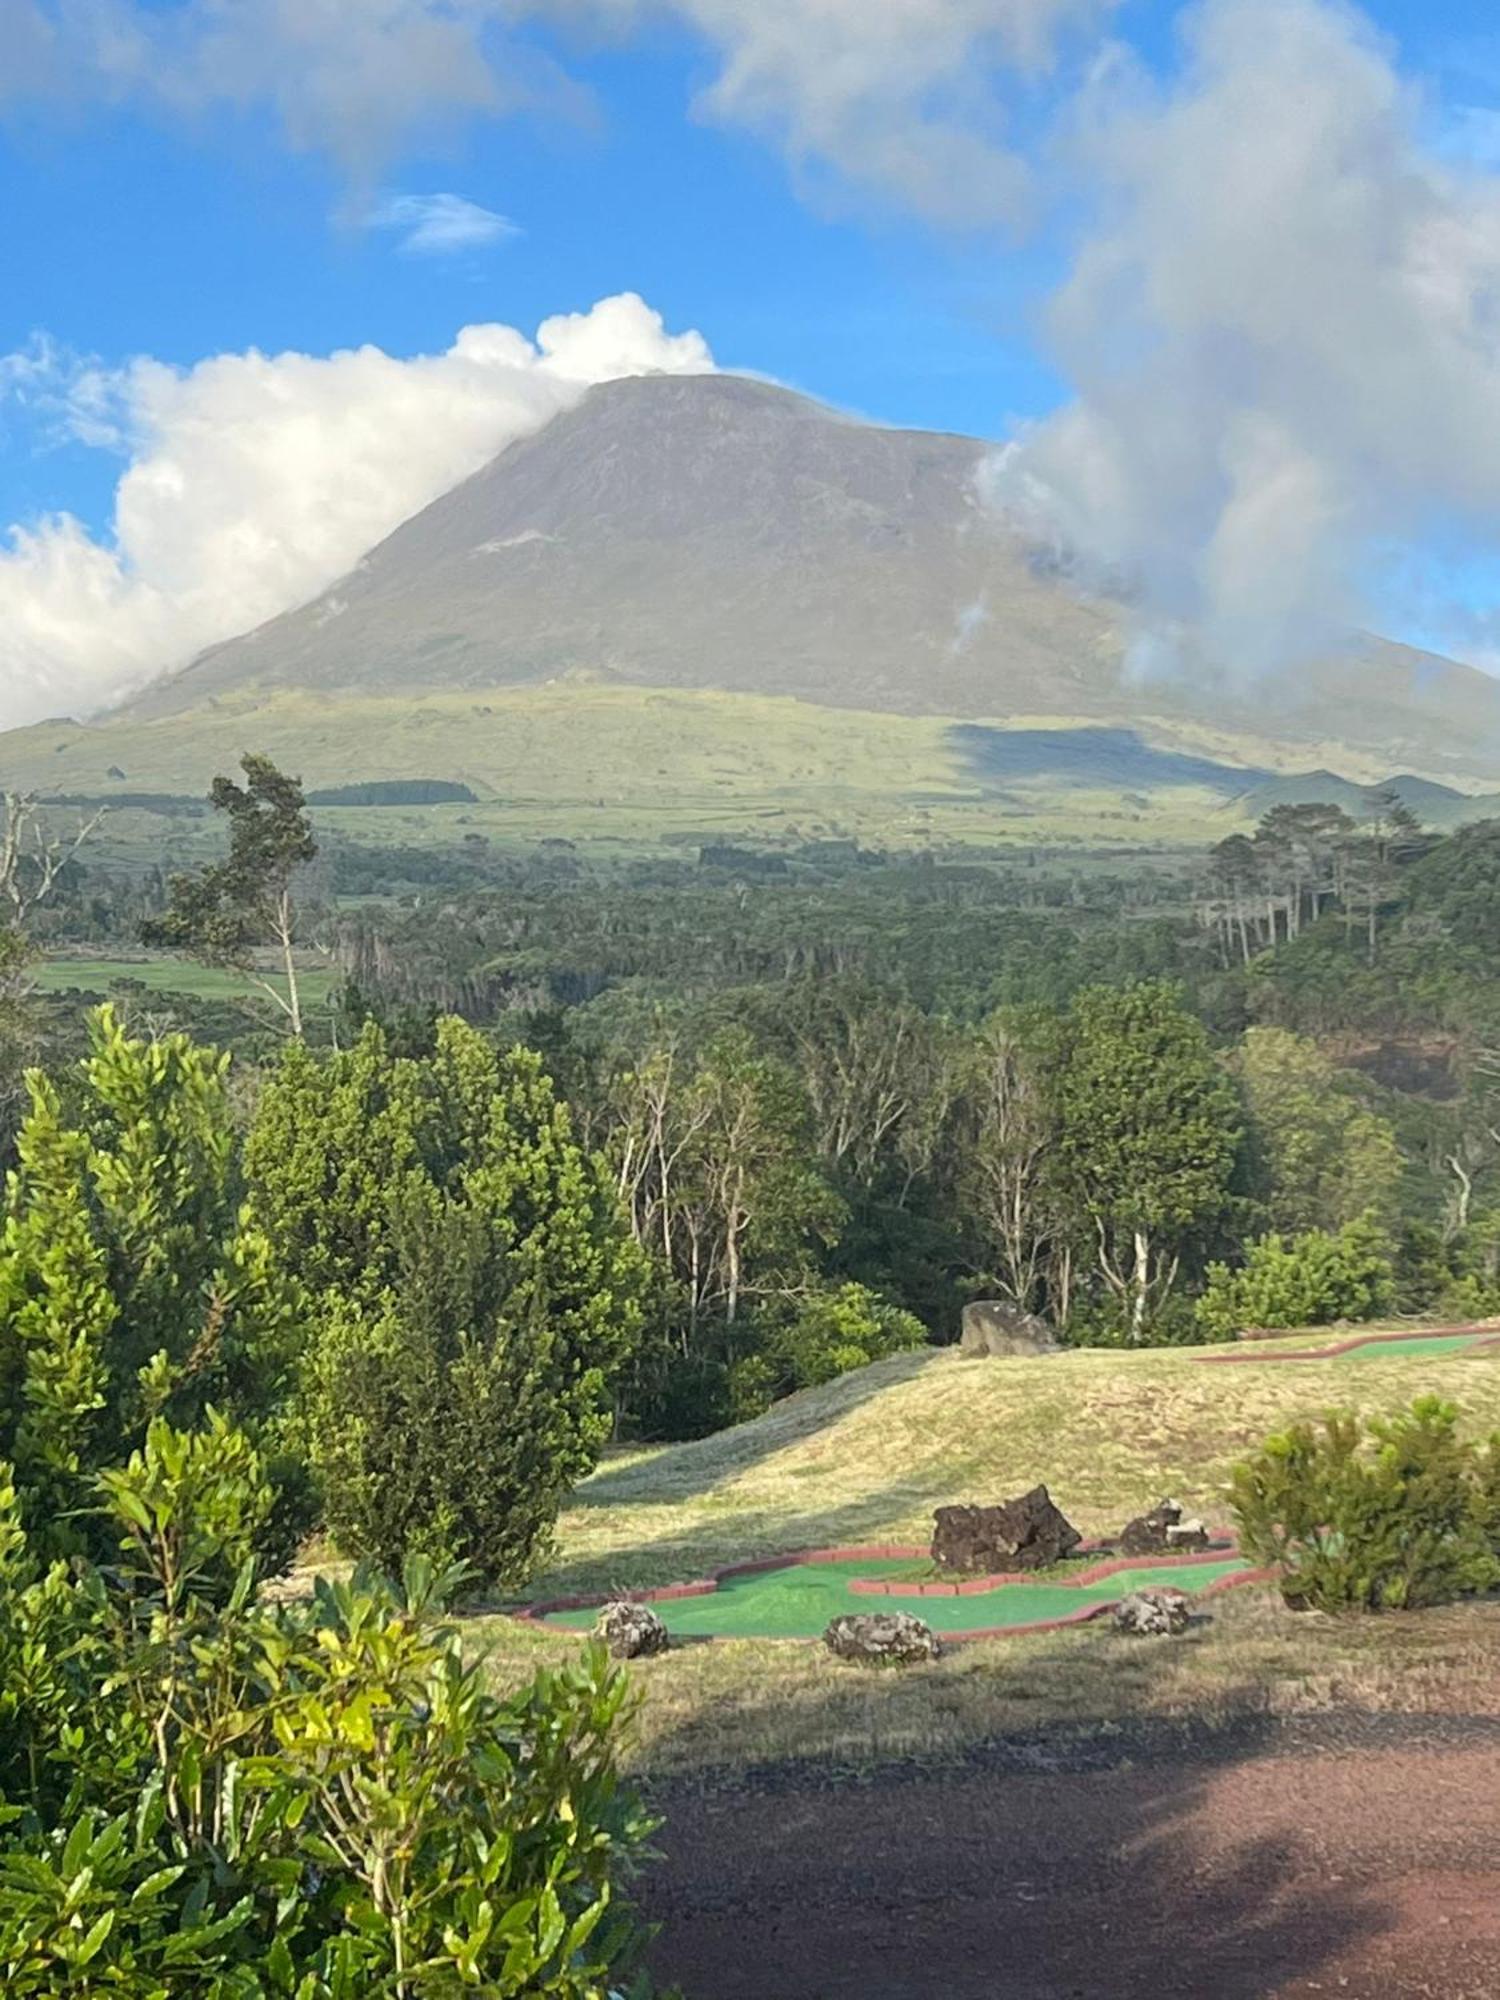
(905, 1552)
(880, 1586)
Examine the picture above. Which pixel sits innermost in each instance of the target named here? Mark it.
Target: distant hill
(1437, 806)
(716, 533)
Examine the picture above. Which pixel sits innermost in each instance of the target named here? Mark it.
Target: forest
(837, 1093)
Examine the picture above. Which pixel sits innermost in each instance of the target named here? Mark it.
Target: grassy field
(166, 975)
(869, 1457)
(639, 769)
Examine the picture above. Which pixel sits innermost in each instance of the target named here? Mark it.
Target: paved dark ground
(1351, 1857)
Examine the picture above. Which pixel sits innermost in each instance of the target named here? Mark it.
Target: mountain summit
(715, 532)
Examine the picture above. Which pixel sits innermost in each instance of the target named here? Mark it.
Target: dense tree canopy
(476, 1292)
(1147, 1137)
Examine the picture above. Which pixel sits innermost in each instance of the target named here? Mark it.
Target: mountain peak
(722, 532)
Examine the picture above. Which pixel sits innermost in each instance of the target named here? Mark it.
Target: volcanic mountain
(718, 533)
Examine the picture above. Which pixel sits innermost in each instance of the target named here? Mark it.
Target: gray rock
(1028, 1532)
(996, 1328)
(1153, 1614)
(1161, 1532)
(1184, 1535)
(631, 1631)
(881, 1639)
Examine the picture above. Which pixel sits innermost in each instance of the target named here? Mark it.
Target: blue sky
(185, 230)
(141, 235)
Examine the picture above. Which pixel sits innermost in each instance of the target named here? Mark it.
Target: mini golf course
(1427, 1344)
(794, 1597)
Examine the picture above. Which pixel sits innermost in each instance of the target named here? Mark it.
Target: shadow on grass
(703, 1464)
(708, 1544)
(1121, 1881)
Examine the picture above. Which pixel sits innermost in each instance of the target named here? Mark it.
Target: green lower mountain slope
(644, 767)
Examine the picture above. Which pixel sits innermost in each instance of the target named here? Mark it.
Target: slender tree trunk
(1140, 1286)
(284, 935)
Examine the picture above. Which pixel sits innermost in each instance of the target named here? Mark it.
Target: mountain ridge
(716, 532)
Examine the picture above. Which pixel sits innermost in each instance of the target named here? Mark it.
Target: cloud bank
(905, 97)
(1284, 334)
(902, 97)
(255, 480)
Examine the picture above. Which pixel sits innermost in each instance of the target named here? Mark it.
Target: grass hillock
(868, 1457)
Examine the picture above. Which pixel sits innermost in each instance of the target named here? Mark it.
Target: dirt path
(1360, 1860)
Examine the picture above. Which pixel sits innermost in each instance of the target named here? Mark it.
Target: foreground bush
(1390, 1515)
(204, 1795)
(132, 1282)
(1308, 1280)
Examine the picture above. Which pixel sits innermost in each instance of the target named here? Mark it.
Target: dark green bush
(475, 1295)
(816, 1338)
(1389, 1515)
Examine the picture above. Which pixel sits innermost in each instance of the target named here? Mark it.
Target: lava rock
(881, 1639)
(1162, 1532)
(631, 1631)
(1028, 1532)
(1153, 1614)
(995, 1327)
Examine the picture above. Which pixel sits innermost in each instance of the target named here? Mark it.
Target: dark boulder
(631, 1631)
(881, 1639)
(997, 1328)
(1153, 1614)
(1028, 1532)
(1162, 1532)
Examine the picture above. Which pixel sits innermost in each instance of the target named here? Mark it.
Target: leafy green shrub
(1392, 1515)
(814, 1339)
(1473, 1291)
(132, 1282)
(1307, 1280)
(476, 1292)
(835, 1331)
(205, 1794)
(1101, 1320)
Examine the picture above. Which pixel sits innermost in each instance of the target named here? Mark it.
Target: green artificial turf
(798, 1603)
(1418, 1348)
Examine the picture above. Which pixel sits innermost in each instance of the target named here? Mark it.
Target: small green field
(167, 975)
(1418, 1349)
(627, 770)
(1374, 1347)
(797, 1603)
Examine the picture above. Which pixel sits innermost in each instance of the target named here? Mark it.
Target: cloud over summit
(254, 480)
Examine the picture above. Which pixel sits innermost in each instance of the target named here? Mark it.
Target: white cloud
(440, 225)
(904, 97)
(1283, 333)
(255, 480)
(901, 96)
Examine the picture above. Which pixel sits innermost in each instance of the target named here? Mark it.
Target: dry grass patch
(733, 1705)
